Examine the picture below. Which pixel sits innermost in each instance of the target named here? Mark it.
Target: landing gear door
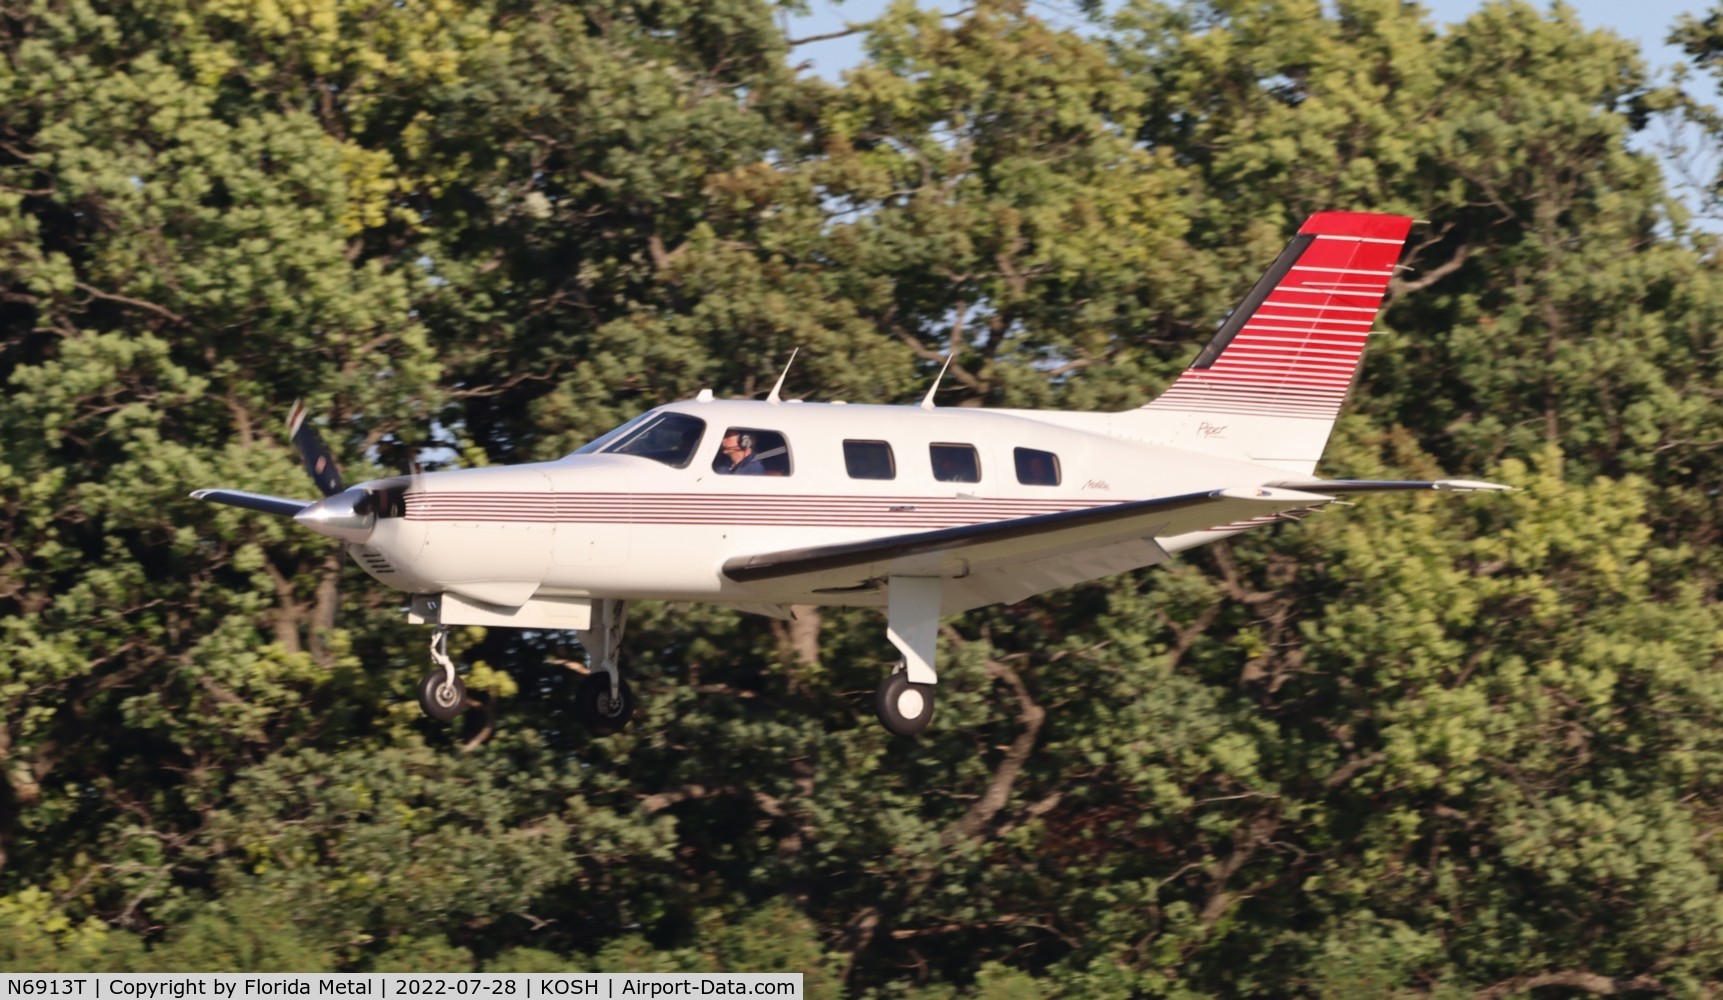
(593, 515)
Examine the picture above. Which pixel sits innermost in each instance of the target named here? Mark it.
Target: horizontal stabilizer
(253, 501)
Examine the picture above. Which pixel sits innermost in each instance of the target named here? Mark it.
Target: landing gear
(905, 698)
(441, 699)
(905, 707)
(441, 693)
(599, 708)
(603, 702)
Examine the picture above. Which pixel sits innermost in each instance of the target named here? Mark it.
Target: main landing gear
(905, 698)
(603, 702)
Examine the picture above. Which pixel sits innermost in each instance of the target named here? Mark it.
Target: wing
(1384, 485)
(1009, 560)
(253, 501)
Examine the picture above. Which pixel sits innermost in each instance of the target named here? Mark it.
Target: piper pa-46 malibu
(764, 504)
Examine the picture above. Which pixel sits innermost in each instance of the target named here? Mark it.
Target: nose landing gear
(602, 702)
(442, 696)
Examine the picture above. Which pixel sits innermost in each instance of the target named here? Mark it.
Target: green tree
(1415, 748)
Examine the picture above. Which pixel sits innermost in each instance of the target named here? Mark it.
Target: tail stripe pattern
(1292, 348)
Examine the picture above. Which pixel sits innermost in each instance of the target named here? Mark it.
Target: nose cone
(349, 515)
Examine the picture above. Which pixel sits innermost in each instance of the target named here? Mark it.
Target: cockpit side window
(670, 438)
(752, 451)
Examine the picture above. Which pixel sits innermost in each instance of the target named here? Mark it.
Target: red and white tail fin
(1268, 386)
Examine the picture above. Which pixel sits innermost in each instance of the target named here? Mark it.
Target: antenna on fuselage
(927, 400)
(773, 398)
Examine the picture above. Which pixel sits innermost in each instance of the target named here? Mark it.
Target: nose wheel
(905, 707)
(442, 696)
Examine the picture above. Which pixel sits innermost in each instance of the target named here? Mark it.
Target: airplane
(922, 511)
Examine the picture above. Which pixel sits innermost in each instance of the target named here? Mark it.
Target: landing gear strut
(603, 702)
(441, 693)
(905, 698)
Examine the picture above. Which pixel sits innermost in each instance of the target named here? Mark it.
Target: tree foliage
(1420, 747)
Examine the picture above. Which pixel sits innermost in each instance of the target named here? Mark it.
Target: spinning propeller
(345, 513)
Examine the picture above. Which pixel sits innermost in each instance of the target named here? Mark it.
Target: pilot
(736, 456)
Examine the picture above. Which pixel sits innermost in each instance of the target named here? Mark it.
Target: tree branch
(1398, 286)
(663, 800)
(96, 293)
(1351, 769)
(848, 30)
(1590, 982)
(1005, 775)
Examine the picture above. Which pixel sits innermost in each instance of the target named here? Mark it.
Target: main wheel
(441, 699)
(905, 708)
(597, 710)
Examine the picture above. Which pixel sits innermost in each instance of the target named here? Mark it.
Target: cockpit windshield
(597, 444)
(670, 438)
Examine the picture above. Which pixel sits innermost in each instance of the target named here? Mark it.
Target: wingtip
(1468, 486)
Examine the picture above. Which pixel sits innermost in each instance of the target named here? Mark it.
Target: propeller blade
(253, 501)
(319, 461)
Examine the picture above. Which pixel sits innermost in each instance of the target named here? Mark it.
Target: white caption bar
(399, 986)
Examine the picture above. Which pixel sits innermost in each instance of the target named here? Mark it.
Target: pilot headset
(745, 441)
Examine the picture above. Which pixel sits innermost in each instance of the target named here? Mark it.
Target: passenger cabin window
(955, 463)
(869, 460)
(751, 451)
(1037, 468)
(670, 438)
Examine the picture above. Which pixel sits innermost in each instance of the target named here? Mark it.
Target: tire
(442, 701)
(596, 710)
(904, 708)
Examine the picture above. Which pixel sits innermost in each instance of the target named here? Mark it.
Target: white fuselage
(627, 526)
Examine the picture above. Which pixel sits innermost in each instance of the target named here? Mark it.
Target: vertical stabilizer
(1269, 385)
